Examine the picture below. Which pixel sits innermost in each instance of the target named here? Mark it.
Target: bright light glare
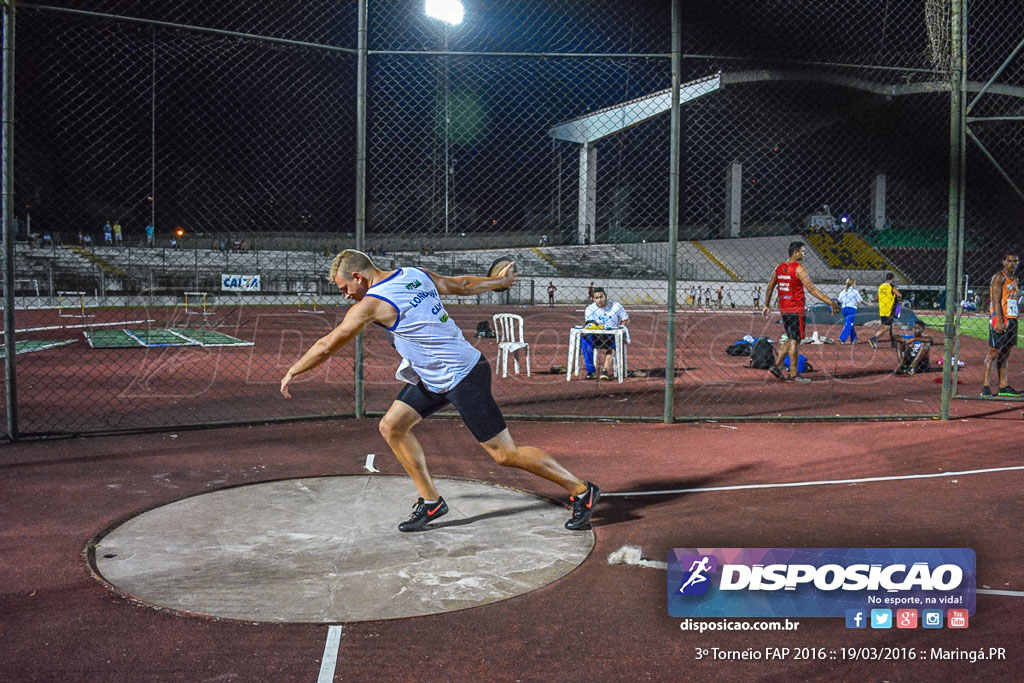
(448, 11)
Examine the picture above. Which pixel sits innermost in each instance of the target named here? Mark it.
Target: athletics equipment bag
(762, 356)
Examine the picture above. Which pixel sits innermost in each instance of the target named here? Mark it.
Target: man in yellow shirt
(888, 295)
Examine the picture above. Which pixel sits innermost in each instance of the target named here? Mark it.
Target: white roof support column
(587, 214)
(734, 198)
(878, 202)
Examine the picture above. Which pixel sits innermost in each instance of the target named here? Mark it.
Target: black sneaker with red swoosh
(582, 508)
(424, 513)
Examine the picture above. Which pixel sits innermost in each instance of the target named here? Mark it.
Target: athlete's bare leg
(1004, 356)
(505, 452)
(990, 357)
(396, 428)
(794, 357)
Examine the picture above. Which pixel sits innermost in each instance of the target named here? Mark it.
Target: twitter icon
(881, 618)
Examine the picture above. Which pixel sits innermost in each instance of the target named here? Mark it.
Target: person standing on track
(439, 367)
(849, 298)
(888, 296)
(551, 293)
(1002, 330)
(792, 280)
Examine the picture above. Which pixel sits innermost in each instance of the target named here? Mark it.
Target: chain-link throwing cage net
(536, 130)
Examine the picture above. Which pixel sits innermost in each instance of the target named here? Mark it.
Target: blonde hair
(350, 261)
(849, 282)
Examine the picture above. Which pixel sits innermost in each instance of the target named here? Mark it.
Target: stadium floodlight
(448, 11)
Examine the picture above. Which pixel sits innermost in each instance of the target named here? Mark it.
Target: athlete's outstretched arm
(801, 273)
(358, 317)
(467, 285)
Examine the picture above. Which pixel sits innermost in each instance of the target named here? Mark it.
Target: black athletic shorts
(1007, 338)
(471, 397)
(794, 324)
(886, 320)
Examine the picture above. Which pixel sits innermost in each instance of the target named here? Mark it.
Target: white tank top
(429, 341)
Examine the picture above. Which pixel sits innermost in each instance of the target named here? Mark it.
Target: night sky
(251, 136)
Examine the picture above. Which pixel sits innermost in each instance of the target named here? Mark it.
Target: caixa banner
(817, 582)
(231, 282)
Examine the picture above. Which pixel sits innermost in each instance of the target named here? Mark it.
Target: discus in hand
(502, 266)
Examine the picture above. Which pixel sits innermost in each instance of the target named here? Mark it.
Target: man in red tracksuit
(792, 280)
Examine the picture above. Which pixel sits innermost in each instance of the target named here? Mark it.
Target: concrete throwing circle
(327, 549)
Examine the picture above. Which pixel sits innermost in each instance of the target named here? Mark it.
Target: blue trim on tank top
(393, 275)
(398, 313)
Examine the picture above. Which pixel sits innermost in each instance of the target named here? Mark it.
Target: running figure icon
(696, 575)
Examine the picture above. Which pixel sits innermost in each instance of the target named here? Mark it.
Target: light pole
(450, 13)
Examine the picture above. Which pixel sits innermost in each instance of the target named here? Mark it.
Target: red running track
(600, 621)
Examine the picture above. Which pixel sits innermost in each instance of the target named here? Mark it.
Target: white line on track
(989, 591)
(82, 326)
(330, 660)
(824, 482)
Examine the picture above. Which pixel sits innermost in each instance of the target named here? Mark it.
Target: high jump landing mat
(35, 345)
(127, 339)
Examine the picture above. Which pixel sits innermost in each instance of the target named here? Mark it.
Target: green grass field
(969, 327)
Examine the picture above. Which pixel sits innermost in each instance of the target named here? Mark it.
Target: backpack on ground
(740, 348)
(762, 356)
(484, 331)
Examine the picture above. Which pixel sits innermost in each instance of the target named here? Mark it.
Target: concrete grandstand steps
(692, 264)
(754, 258)
(602, 261)
(920, 266)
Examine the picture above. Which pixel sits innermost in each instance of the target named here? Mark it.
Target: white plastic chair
(509, 328)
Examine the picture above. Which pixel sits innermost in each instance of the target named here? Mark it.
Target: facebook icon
(856, 618)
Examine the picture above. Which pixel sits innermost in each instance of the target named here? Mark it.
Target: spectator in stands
(108, 233)
(849, 298)
(551, 293)
(117, 234)
(605, 314)
(792, 279)
(888, 295)
(1002, 330)
(913, 350)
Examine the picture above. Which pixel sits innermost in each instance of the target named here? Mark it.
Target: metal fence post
(957, 141)
(673, 222)
(360, 189)
(10, 375)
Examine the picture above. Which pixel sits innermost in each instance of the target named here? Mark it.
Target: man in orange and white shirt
(1002, 330)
